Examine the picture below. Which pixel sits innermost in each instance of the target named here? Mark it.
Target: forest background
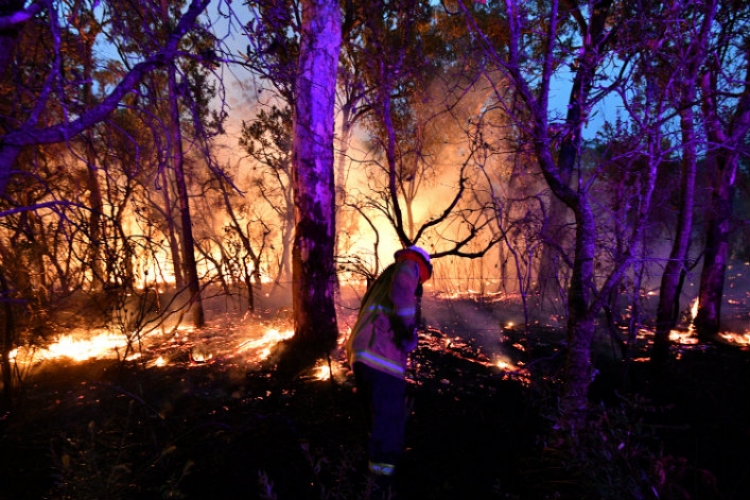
(585, 161)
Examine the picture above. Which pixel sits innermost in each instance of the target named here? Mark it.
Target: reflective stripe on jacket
(372, 339)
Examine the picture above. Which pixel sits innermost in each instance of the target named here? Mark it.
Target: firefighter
(381, 340)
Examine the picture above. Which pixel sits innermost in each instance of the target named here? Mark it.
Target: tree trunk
(725, 162)
(29, 134)
(671, 283)
(96, 206)
(690, 60)
(188, 250)
(581, 322)
(171, 231)
(341, 163)
(707, 321)
(8, 156)
(313, 271)
(8, 342)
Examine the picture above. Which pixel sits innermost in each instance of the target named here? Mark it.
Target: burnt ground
(105, 430)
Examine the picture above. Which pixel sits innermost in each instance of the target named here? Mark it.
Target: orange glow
(77, 347)
(321, 370)
(739, 339)
(81, 345)
(260, 348)
(513, 371)
(694, 309)
(505, 365)
(683, 338)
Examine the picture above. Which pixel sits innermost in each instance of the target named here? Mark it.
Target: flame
(261, 347)
(694, 310)
(80, 346)
(322, 370)
(511, 371)
(505, 365)
(103, 345)
(739, 339)
(676, 336)
(683, 338)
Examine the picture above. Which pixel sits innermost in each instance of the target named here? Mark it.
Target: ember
(326, 369)
(160, 362)
(683, 338)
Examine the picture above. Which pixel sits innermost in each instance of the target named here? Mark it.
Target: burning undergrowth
(199, 414)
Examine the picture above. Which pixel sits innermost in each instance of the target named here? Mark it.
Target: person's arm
(403, 297)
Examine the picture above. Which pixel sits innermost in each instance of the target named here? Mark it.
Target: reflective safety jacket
(392, 297)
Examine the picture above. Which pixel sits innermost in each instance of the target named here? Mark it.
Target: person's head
(418, 255)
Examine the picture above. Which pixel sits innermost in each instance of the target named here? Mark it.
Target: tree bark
(711, 290)
(171, 230)
(725, 160)
(671, 283)
(95, 259)
(188, 246)
(689, 60)
(8, 342)
(581, 307)
(313, 270)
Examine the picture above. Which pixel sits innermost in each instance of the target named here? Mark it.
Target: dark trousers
(383, 401)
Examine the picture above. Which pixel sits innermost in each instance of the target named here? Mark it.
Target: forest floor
(108, 430)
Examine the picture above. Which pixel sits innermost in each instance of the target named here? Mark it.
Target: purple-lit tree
(294, 46)
(694, 24)
(725, 102)
(30, 131)
(583, 37)
(313, 269)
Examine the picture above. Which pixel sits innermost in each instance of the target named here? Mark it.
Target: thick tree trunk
(313, 270)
